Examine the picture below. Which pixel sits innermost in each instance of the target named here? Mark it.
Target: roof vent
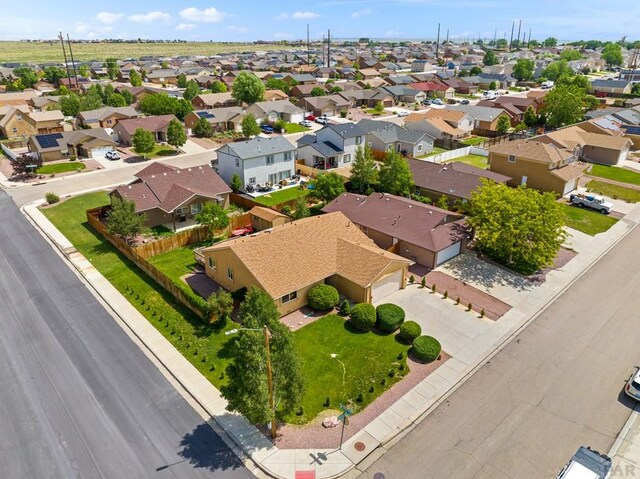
(165, 173)
(430, 212)
(153, 176)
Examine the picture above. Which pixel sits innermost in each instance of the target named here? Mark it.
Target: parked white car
(306, 123)
(403, 113)
(112, 155)
(632, 388)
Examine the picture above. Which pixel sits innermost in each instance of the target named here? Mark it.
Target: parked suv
(586, 464)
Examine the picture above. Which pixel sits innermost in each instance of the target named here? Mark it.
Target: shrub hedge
(323, 297)
(425, 349)
(409, 331)
(363, 316)
(389, 317)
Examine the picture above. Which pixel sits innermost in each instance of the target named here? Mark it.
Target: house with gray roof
(603, 87)
(272, 111)
(333, 146)
(405, 94)
(383, 136)
(258, 161)
(628, 117)
(106, 117)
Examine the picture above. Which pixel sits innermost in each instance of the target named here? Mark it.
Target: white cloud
(361, 13)
(393, 33)
(150, 17)
(108, 17)
(183, 27)
(282, 36)
(233, 28)
(207, 15)
(304, 15)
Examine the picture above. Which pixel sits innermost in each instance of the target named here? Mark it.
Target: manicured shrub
(363, 316)
(389, 317)
(482, 313)
(412, 279)
(345, 308)
(327, 402)
(409, 331)
(469, 307)
(423, 283)
(433, 288)
(445, 295)
(323, 297)
(51, 198)
(425, 349)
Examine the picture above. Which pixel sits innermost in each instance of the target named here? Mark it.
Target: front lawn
(476, 140)
(374, 112)
(159, 150)
(294, 128)
(56, 168)
(587, 221)
(474, 160)
(203, 345)
(364, 361)
(616, 174)
(281, 196)
(614, 191)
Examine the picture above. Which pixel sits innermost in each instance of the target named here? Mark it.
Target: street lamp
(267, 335)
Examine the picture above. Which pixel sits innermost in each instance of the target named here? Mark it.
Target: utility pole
(447, 42)
(323, 49)
(307, 44)
(438, 42)
(64, 52)
(519, 27)
(529, 42)
(513, 24)
(73, 62)
(274, 431)
(634, 64)
(495, 36)
(328, 48)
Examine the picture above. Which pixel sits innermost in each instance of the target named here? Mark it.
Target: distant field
(52, 52)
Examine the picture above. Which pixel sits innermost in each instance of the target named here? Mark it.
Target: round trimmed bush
(323, 297)
(363, 316)
(410, 331)
(389, 317)
(425, 349)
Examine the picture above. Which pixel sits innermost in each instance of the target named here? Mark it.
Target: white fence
(7, 151)
(453, 154)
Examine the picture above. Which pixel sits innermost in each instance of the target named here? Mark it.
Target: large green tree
(218, 87)
(26, 75)
(247, 88)
(278, 84)
(70, 105)
(53, 74)
(213, 216)
(116, 100)
(247, 388)
(530, 118)
(202, 128)
(123, 220)
(134, 78)
(163, 104)
(519, 227)
(111, 65)
(490, 58)
(191, 90)
(550, 42)
(395, 175)
(612, 54)
(523, 69)
(143, 142)
(317, 91)
(250, 126)
(503, 124)
(555, 70)
(564, 106)
(570, 55)
(328, 186)
(364, 173)
(176, 136)
(181, 80)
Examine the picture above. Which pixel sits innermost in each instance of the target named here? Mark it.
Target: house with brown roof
(330, 105)
(434, 89)
(71, 144)
(273, 95)
(125, 129)
(540, 165)
(421, 233)
(591, 147)
(106, 117)
(206, 101)
(168, 195)
(303, 91)
(456, 181)
(46, 121)
(441, 124)
(220, 119)
(288, 260)
(14, 98)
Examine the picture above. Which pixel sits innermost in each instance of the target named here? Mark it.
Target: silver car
(112, 155)
(632, 388)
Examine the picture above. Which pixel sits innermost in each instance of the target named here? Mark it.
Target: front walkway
(192, 147)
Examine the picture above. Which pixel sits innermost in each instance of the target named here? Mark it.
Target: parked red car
(311, 118)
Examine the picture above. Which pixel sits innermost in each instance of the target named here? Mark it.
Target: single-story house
(302, 91)
(272, 111)
(272, 95)
(125, 129)
(405, 94)
(593, 147)
(106, 117)
(163, 75)
(434, 89)
(330, 105)
(69, 144)
(368, 98)
(421, 233)
(206, 101)
(166, 194)
(288, 260)
(486, 118)
(221, 119)
(263, 218)
(383, 136)
(454, 180)
(602, 87)
(441, 124)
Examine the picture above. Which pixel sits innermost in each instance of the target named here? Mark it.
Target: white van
(587, 464)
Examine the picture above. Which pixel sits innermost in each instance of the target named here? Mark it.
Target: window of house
(419, 148)
(230, 273)
(511, 158)
(252, 180)
(289, 297)
(364, 229)
(212, 263)
(269, 159)
(370, 144)
(196, 208)
(237, 163)
(284, 175)
(390, 147)
(183, 210)
(358, 140)
(287, 156)
(18, 117)
(346, 158)
(64, 152)
(15, 130)
(109, 122)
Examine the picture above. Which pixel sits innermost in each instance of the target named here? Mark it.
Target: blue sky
(250, 20)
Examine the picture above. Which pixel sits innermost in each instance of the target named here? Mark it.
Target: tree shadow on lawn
(204, 449)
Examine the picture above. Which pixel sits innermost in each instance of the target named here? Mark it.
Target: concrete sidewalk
(625, 452)
(373, 440)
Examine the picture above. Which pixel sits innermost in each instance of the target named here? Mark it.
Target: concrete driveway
(192, 147)
(452, 325)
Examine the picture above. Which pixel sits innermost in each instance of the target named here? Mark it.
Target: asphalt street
(78, 399)
(557, 386)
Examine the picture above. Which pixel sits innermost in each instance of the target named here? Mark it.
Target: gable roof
(416, 223)
(215, 98)
(280, 106)
(167, 187)
(347, 130)
(266, 213)
(389, 132)
(150, 123)
(297, 254)
(258, 146)
(455, 179)
(105, 112)
(480, 113)
(62, 140)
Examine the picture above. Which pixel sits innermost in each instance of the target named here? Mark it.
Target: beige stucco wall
(299, 302)
(22, 126)
(225, 258)
(349, 289)
(603, 155)
(415, 253)
(538, 175)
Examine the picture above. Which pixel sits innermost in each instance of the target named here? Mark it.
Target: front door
(524, 180)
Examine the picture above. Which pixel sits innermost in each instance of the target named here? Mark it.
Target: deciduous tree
(523, 69)
(116, 100)
(564, 106)
(503, 124)
(250, 126)
(220, 306)
(557, 69)
(143, 142)
(395, 175)
(519, 227)
(247, 88)
(53, 74)
(490, 58)
(218, 87)
(612, 54)
(317, 91)
(181, 80)
(364, 173)
(123, 220)
(191, 91)
(550, 42)
(530, 118)
(176, 136)
(236, 182)
(328, 186)
(213, 216)
(134, 78)
(301, 210)
(202, 128)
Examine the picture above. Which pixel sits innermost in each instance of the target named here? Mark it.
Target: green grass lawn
(614, 191)
(61, 167)
(363, 362)
(374, 112)
(280, 196)
(616, 174)
(436, 151)
(203, 345)
(474, 160)
(587, 221)
(295, 128)
(175, 263)
(162, 150)
(476, 140)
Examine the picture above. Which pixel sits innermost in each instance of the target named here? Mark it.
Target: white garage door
(569, 187)
(100, 152)
(385, 286)
(297, 117)
(448, 253)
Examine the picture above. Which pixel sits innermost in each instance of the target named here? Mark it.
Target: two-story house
(441, 124)
(257, 161)
(543, 166)
(333, 146)
(485, 118)
(384, 136)
(13, 121)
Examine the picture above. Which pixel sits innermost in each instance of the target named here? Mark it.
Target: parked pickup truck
(591, 201)
(587, 464)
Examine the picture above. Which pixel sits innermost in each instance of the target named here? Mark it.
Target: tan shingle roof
(532, 150)
(266, 213)
(289, 257)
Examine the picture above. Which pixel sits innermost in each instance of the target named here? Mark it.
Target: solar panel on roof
(632, 130)
(49, 141)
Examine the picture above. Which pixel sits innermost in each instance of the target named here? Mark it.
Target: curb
(622, 435)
